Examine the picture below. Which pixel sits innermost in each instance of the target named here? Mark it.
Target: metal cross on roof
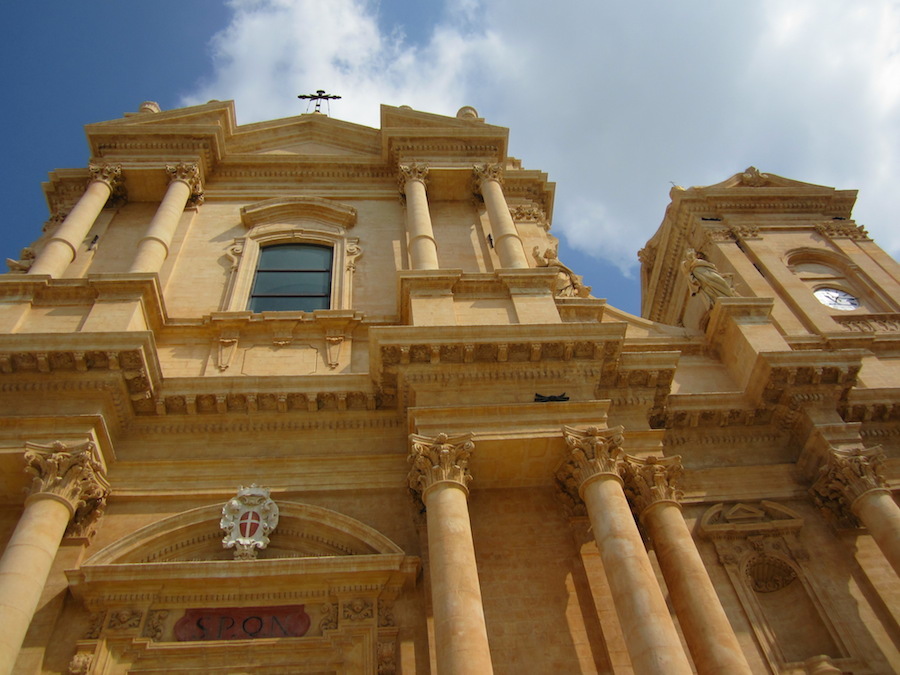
(318, 97)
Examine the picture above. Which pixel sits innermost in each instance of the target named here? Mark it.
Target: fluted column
(489, 181)
(592, 469)
(851, 483)
(153, 249)
(440, 474)
(651, 485)
(68, 484)
(60, 250)
(422, 247)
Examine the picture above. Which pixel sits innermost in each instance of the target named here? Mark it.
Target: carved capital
(592, 452)
(651, 480)
(189, 174)
(485, 172)
(439, 459)
(111, 174)
(845, 477)
(414, 171)
(70, 473)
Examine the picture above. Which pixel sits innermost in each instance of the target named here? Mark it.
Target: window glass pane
(284, 304)
(292, 283)
(295, 257)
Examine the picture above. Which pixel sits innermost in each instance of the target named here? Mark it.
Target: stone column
(60, 250)
(68, 485)
(651, 485)
(422, 247)
(851, 485)
(592, 472)
(488, 181)
(153, 249)
(440, 475)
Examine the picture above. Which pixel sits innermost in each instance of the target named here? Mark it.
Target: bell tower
(772, 237)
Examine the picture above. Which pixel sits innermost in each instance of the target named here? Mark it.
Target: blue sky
(616, 101)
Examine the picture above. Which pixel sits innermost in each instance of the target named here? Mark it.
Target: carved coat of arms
(248, 518)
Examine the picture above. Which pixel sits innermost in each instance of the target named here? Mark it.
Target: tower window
(292, 277)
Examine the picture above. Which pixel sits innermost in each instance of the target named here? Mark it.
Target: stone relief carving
(248, 518)
(358, 609)
(703, 277)
(329, 620)
(753, 178)
(387, 657)
(81, 663)
(155, 624)
(846, 476)
(95, 626)
(530, 214)
(842, 229)
(568, 284)
(72, 473)
(124, 619)
(386, 614)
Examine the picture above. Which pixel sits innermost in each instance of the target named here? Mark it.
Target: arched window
(293, 277)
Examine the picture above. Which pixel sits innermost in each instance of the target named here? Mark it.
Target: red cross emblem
(249, 523)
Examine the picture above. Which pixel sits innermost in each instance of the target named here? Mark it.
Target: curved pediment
(303, 531)
(291, 209)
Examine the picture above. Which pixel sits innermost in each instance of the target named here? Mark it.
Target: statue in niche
(703, 277)
(568, 284)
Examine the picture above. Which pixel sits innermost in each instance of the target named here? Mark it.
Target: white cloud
(615, 100)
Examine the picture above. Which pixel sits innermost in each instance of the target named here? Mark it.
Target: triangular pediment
(754, 178)
(306, 135)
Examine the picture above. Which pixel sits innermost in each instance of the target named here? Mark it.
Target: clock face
(837, 299)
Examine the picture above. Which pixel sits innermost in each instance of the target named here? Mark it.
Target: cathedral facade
(304, 396)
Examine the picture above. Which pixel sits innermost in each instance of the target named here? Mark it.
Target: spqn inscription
(242, 623)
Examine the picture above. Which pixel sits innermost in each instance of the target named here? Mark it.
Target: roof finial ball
(467, 112)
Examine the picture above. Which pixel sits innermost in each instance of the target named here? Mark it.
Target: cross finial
(318, 97)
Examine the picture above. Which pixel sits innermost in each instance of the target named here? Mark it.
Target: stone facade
(456, 459)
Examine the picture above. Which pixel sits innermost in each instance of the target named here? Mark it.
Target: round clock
(837, 299)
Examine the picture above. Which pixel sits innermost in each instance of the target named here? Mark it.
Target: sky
(616, 101)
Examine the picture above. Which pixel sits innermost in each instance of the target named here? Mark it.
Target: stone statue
(704, 277)
(568, 284)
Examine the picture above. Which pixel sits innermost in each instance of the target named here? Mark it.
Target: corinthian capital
(414, 171)
(485, 172)
(651, 480)
(111, 174)
(592, 451)
(439, 459)
(189, 174)
(845, 477)
(69, 473)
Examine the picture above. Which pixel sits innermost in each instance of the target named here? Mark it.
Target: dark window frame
(297, 301)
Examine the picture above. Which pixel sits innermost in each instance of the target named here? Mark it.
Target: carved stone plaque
(242, 623)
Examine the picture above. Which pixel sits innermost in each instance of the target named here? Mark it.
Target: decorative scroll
(70, 472)
(846, 476)
(753, 178)
(248, 519)
(438, 459)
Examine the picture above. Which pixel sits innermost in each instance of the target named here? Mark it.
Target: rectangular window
(292, 277)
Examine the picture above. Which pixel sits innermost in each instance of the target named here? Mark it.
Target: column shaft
(459, 627)
(154, 247)
(709, 635)
(506, 236)
(650, 634)
(422, 247)
(24, 569)
(880, 514)
(56, 255)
